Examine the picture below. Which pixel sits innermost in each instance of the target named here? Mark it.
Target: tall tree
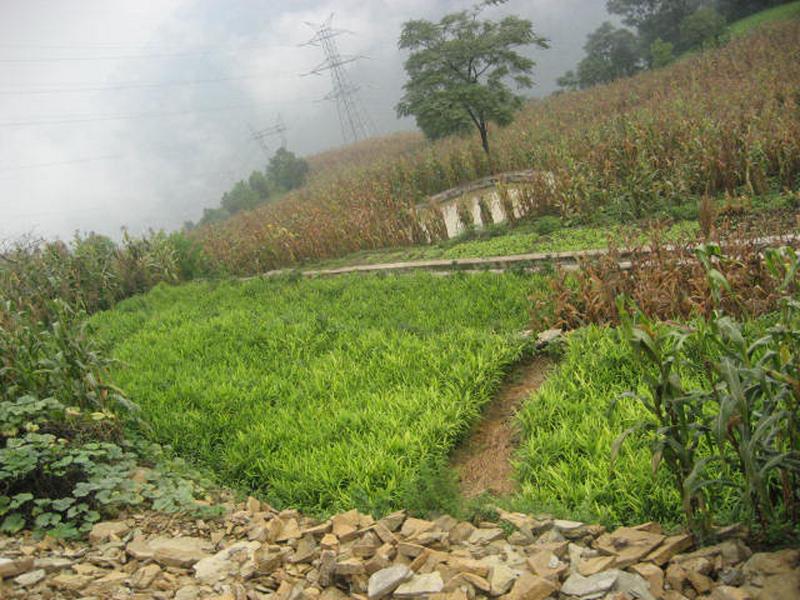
(459, 70)
(286, 171)
(611, 53)
(654, 19)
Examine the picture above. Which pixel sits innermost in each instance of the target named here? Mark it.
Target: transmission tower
(277, 130)
(353, 118)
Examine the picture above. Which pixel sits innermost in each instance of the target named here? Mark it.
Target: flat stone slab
(589, 587)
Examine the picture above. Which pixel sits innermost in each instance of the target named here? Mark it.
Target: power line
(64, 119)
(353, 118)
(135, 85)
(59, 163)
(56, 59)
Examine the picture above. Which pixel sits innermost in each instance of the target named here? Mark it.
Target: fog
(127, 113)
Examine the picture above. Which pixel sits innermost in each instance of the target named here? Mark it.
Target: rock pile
(257, 553)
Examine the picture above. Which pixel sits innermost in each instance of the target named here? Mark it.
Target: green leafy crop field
(564, 462)
(321, 394)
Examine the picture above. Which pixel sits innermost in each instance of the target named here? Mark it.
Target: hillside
(622, 150)
(784, 12)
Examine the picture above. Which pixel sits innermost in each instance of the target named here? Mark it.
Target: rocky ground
(256, 553)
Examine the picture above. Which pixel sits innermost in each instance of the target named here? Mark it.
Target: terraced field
(322, 394)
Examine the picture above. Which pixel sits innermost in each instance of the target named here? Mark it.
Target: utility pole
(260, 136)
(353, 118)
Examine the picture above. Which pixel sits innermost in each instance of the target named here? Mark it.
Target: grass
(783, 12)
(549, 234)
(321, 394)
(564, 462)
(500, 240)
(568, 427)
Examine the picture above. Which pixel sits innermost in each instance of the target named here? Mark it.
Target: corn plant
(679, 426)
(631, 148)
(741, 429)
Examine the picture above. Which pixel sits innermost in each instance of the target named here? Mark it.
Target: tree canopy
(285, 172)
(660, 30)
(459, 71)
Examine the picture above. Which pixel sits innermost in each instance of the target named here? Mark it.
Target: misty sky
(136, 113)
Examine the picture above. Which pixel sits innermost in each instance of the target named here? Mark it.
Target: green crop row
(570, 425)
(320, 394)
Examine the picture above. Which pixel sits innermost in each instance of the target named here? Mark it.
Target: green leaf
(13, 523)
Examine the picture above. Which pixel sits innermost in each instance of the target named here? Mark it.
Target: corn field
(725, 121)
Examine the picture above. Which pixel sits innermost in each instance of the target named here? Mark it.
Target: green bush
(65, 460)
(547, 225)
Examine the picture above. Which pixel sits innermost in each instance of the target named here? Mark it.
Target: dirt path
(483, 460)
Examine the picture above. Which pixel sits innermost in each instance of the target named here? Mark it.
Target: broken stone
(653, 575)
(30, 578)
(212, 569)
(145, 576)
(676, 577)
(179, 552)
(670, 547)
(349, 566)
(467, 565)
(14, 567)
(592, 566)
(467, 580)
(725, 592)
(327, 567)
(70, 582)
(501, 580)
(101, 532)
(409, 549)
(52, 564)
(628, 545)
(481, 537)
(268, 558)
(565, 526)
(633, 586)
(290, 530)
(782, 587)
(393, 521)
(413, 527)
(546, 564)
(461, 532)
(420, 585)
(531, 587)
(578, 585)
(384, 582)
(252, 505)
(306, 548)
(139, 549)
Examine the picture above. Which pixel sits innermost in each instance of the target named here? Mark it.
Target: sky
(137, 114)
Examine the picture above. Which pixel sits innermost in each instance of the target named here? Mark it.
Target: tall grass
(727, 120)
(320, 394)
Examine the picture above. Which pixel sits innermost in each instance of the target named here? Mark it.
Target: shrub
(547, 225)
(65, 460)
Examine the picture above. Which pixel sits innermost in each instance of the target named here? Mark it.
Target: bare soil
(483, 460)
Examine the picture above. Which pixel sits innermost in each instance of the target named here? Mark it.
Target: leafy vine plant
(739, 428)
